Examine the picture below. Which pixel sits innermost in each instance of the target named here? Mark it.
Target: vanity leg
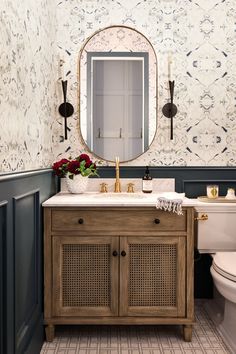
(187, 332)
(50, 332)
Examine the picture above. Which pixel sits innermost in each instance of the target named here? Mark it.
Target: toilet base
(228, 325)
(223, 313)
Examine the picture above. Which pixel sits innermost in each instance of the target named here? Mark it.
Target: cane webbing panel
(153, 275)
(86, 275)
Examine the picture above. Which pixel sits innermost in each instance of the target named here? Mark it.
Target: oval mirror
(117, 93)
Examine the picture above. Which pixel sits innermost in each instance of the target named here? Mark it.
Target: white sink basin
(138, 195)
(120, 195)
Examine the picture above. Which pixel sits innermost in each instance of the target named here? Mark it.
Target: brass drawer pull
(115, 253)
(203, 217)
(81, 221)
(157, 221)
(123, 253)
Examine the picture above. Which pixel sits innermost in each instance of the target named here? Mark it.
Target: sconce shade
(66, 109)
(169, 110)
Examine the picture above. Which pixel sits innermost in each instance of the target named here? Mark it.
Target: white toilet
(217, 236)
(223, 271)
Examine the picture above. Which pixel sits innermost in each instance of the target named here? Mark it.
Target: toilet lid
(225, 264)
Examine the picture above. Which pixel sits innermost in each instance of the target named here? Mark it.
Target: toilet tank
(218, 232)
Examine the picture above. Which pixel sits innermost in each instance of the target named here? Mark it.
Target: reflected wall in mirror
(117, 93)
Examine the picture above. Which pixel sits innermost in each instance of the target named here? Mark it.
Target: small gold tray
(216, 200)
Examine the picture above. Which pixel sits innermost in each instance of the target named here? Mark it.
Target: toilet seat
(224, 263)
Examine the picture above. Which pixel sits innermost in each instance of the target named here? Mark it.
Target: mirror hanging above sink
(117, 94)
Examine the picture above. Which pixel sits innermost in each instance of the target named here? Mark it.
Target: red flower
(84, 157)
(73, 167)
(81, 164)
(60, 167)
(88, 163)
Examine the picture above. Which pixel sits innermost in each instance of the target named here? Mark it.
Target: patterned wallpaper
(201, 37)
(27, 83)
(199, 34)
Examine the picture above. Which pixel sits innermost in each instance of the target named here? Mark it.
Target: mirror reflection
(117, 96)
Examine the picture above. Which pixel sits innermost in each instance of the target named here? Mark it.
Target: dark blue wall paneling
(3, 213)
(21, 268)
(191, 180)
(21, 195)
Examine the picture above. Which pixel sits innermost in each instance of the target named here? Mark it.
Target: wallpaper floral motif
(27, 83)
(201, 37)
(199, 34)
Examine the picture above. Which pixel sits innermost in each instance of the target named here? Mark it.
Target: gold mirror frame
(79, 88)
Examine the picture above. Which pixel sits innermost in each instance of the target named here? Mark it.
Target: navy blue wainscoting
(189, 180)
(21, 259)
(3, 207)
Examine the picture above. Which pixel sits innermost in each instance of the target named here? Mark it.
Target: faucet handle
(130, 188)
(103, 188)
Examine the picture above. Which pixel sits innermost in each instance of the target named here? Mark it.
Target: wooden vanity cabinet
(118, 266)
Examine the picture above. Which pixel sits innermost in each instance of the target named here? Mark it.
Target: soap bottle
(147, 181)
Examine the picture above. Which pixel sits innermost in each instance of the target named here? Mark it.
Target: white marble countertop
(64, 199)
(161, 187)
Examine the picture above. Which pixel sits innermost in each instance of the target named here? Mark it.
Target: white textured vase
(77, 185)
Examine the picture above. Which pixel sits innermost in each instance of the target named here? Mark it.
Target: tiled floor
(137, 339)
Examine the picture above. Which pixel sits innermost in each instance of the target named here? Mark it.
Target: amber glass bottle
(147, 181)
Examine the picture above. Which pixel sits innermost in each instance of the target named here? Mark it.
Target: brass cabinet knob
(130, 188)
(103, 188)
(202, 217)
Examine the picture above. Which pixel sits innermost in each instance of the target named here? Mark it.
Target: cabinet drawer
(117, 220)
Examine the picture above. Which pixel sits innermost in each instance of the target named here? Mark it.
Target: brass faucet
(130, 188)
(103, 188)
(117, 183)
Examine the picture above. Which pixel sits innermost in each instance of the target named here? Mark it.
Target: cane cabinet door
(85, 276)
(152, 276)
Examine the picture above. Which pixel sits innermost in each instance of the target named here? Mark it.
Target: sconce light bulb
(170, 63)
(62, 68)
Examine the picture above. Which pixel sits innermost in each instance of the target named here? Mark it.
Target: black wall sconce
(65, 109)
(169, 110)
